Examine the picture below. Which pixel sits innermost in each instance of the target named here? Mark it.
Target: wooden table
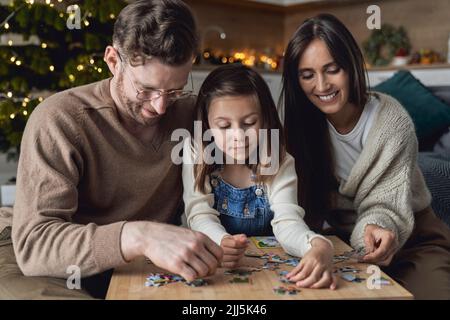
(128, 282)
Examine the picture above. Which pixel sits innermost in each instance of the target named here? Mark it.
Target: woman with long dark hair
(355, 154)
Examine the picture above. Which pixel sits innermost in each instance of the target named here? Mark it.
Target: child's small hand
(233, 249)
(315, 269)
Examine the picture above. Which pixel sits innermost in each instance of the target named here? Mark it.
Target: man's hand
(233, 249)
(381, 245)
(179, 250)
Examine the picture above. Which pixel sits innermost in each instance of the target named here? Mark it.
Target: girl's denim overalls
(242, 210)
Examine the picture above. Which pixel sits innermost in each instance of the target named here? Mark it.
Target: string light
(25, 112)
(9, 94)
(80, 67)
(13, 59)
(71, 77)
(40, 99)
(12, 115)
(10, 42)
(86, 23)
(99, 70)
(43, 45)
(6, 25)
(51, 68)
(112, 16)
(91, 61)
(48, 1)
(24, 104)
(18, 62)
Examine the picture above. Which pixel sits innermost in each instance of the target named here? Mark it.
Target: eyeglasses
(154, 94)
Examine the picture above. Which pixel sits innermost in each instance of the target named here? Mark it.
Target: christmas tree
(45, 47)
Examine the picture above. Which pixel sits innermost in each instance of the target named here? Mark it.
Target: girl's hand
(315, 270)
(381, 245)
(233, 249)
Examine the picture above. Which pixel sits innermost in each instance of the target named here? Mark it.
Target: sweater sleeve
(388, 203)
(288, 225)
(199, 211)
(46, 240)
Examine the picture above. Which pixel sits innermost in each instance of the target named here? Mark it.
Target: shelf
(211, 67)
(411, 67)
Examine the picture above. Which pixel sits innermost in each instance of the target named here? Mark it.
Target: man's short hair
(164, 29)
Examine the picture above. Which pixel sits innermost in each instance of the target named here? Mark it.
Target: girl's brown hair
(236, 80)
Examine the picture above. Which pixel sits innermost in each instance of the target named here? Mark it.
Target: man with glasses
(96, 186)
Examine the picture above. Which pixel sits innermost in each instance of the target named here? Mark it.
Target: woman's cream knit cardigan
(385, 186)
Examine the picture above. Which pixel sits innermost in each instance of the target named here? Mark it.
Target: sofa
(434, 161)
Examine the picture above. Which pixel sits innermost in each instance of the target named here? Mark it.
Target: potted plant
(401, 57)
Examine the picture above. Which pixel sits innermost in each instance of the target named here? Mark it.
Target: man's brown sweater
(82, 175)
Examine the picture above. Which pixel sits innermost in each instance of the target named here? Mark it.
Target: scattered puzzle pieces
(160, 279)
(283, 278)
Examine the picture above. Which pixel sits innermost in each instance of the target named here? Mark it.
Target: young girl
(231, 200)
(355, 154)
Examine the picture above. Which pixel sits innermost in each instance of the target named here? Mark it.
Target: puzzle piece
(240, 280)
(351, 277)
(238, 272)
(292, 262)
(282, 290)
(266, 242)
(253, 254)
(382, 281)
(347, 269)
(350, 255)
(197, 283)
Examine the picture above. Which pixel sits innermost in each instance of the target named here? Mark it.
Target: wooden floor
(128, 282)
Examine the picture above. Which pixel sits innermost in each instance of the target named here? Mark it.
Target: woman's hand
(233, 249)
(315, 270)
(381, 245)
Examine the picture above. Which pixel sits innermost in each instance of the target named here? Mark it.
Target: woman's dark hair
(164, 29)
(237, 80)
(306, 127)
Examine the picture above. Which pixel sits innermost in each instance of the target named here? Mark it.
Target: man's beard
(133, 110)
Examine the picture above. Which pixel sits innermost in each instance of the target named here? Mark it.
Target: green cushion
(429, 114)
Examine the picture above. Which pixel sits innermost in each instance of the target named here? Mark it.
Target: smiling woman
(355, 153)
